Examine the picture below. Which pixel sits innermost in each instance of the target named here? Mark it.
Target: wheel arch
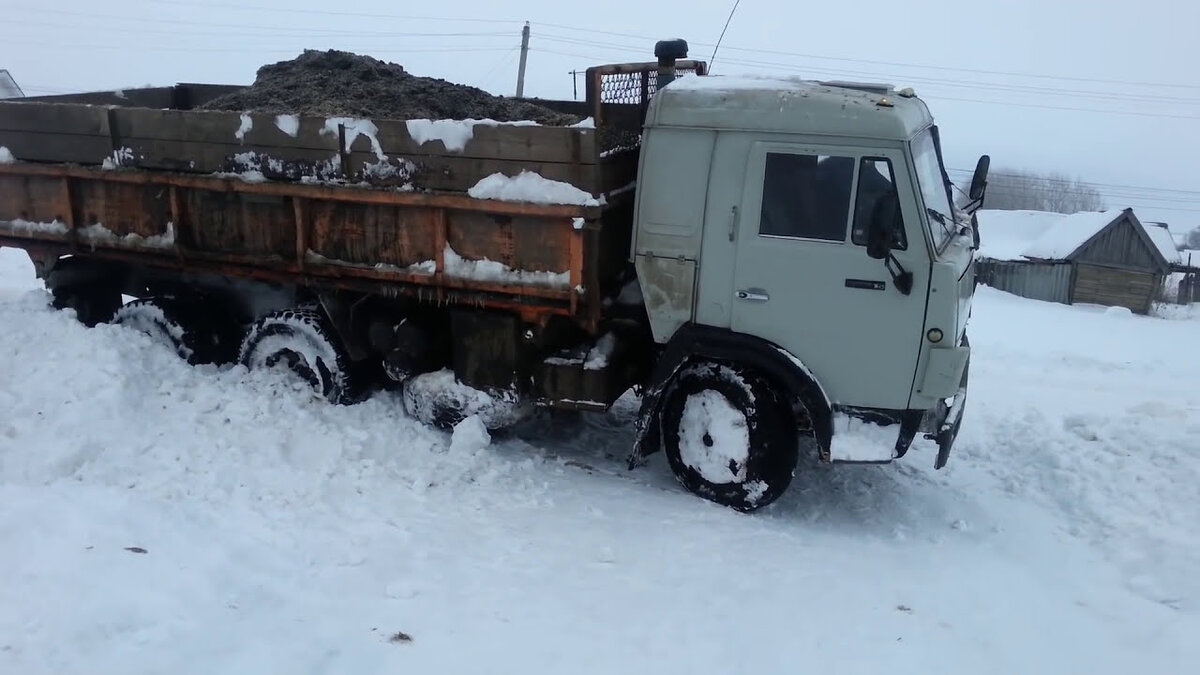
(694, 342)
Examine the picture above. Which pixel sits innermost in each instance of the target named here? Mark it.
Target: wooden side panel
(43, 132)
(141, 210)
(1115, 287)
(37, 199)
(369, 235)
(520, 143)
(229, 223)
(211, 142)
(521, 243)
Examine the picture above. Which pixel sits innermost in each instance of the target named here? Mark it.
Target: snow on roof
(1020, 235)
(1069, 234)
(1005, 235)
(1162, 238)
(8, 86)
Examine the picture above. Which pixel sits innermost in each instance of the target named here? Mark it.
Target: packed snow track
(166, 518)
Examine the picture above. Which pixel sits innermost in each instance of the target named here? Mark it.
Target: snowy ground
(272, 533)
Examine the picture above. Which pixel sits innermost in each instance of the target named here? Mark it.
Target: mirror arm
(902, 278)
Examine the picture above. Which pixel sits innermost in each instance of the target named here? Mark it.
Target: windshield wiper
(940, 217)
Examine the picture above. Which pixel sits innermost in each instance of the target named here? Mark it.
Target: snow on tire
(302, 341)
(439, 400)
(166, 322)
(728, 436)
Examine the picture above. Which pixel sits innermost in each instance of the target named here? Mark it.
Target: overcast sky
(1100, 90)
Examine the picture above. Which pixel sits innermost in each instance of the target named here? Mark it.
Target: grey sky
(1105, 91)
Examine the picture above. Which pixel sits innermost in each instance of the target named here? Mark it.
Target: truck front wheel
(728, 436)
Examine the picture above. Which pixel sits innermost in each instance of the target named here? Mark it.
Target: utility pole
(524, 56)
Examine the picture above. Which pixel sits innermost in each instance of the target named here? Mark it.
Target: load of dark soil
(337, 83)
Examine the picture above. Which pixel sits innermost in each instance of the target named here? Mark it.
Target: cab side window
(806, 196)
(876, 194)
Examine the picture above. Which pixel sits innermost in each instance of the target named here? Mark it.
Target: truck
(775, 268)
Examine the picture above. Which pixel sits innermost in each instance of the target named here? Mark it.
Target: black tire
(302, 341)
(168, 322)
(91, 307)
(89, 287)
(753, 464)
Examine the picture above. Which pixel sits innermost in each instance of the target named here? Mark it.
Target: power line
(208, 24)
(250, 49)
(339, 13)
(411, 17)
(1067, 180)
(977, 71)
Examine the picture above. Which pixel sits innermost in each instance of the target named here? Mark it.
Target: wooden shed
(1103, 258)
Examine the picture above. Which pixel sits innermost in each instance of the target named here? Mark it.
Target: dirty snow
(29, 227)
(117, 159)
(491, 270)
(6, 156)
(713, 438)
(288, 124)
(164, 518)
(530, 187)
(97, 232)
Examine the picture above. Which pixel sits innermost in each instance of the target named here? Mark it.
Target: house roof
(1162, 239)
(1041, 235)
(8, 86)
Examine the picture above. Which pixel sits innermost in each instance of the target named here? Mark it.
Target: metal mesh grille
(622, 96)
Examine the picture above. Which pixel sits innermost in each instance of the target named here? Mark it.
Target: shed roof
(8, 86)
(788, 105)
(1069, 233)
(1164, 242)
(1041, 235)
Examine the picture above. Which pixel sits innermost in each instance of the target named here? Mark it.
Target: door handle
(753, 295)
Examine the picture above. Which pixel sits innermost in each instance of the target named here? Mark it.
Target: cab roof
(789, 106)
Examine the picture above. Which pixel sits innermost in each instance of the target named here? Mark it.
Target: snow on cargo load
(530, 187)
(454, 134)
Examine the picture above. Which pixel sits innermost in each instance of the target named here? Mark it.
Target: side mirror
(979, 180)
(881, 233)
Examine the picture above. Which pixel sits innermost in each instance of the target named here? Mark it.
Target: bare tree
(1192, 240)
(1012, 190)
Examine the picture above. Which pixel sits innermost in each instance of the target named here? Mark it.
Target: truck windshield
(933, 188)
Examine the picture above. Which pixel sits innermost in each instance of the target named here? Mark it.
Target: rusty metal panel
(367, 234)
(1039, 281)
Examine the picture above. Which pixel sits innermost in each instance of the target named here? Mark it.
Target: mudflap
(947, 428)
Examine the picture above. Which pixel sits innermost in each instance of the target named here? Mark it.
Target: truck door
(802, 278)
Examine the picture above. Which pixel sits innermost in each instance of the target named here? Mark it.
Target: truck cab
(802, 233)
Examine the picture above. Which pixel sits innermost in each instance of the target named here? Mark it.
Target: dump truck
(776, 268)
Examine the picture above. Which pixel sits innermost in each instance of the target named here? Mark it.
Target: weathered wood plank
(458, 174)
(502, 141)
(32, 146)
(76, 119)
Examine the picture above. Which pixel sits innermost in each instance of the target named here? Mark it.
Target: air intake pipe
(668, 52)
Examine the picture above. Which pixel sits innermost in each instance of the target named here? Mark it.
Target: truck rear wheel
(166, 322)
(728, 436)
(301, 341)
